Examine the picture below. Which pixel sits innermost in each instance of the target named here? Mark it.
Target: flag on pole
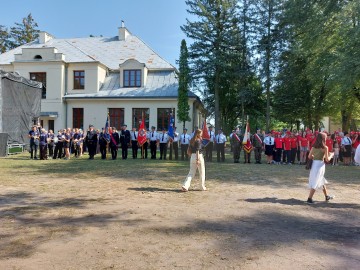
(106, 129)
(171, 127)
(246, 141)
(205, 134)
(142, 132)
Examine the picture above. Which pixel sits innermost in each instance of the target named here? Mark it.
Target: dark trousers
(184, 155)
(124, 150)
(236, 152)
(134, 147)
(257, 153)
(77, 150)
(209, 151)
(174, 148)
(51, 149)
(114, 150)
(144, 150)
(103, 151)
(58, 150)
(278, 154)
(153, 149)
(43, 151)
(293, 155)
(287, 155)
(33, 150)
(220, 152)
(163, 150)
(92, 150)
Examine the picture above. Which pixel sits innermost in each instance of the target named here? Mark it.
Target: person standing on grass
(196, 161)
(318, 153)
(346, 148)
(220, 140)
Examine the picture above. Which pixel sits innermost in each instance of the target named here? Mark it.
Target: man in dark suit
(114, 142)
(91, 141)
(125, 141)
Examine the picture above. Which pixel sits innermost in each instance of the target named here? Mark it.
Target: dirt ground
(252, 217)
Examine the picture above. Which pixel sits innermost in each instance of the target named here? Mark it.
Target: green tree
(265, 25)
(4, 37)
(212, 36)
(184, 82)
(23, 32)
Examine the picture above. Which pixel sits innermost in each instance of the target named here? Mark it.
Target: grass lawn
(130, 214)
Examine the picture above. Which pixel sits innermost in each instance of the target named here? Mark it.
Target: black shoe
(328, 198)
(310, 201)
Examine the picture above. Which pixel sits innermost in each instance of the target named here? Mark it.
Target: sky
(156, 22)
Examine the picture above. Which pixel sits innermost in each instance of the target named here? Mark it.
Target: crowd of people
(279, 147)
(293, 147)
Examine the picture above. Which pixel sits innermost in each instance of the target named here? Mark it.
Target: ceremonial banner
(246, 141)
(205, 134)
(142, 133)
(171, 127)
(108, 131)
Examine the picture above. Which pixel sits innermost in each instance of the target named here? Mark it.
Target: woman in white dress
(196, 161)
(318, 153)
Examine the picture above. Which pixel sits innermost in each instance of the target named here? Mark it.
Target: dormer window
(132, 78)
(38, 57)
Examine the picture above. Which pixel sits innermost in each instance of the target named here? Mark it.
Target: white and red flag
(142, 132)
(246, 141)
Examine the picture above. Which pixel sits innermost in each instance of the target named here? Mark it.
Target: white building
(87, 78)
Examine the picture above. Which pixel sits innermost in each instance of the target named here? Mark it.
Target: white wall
(95, 111)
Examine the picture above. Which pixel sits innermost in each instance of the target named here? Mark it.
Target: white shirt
(346, 141)
(176, 137)
(163, 137)
(220, 138)
(153, 135)
(269, 140)
(185, 138)
(134, 135)
(212, 135)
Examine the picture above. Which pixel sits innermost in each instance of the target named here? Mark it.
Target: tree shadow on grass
(243, 236)
(28, 220)
(292, 201)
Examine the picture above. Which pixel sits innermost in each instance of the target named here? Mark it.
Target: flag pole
(142, 146)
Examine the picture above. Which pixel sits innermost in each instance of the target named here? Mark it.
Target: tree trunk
(217, 99)
(267, 67)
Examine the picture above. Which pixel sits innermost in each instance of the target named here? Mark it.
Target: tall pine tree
(184, 82)
(23, 32)
(212, 36)
(4, 37)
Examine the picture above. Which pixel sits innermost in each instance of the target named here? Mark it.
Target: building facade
(85, 79)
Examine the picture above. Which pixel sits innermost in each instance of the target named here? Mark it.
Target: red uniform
(293, 142)
(287, 143)
(304, 142)
(278, 142)
(329, 143)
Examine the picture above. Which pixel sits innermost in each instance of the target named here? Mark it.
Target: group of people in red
(290, 147)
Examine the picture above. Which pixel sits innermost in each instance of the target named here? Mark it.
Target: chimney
(44, 37)
(123, 32)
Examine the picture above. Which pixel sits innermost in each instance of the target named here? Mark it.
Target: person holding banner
(258, 140)
(143, 138)
(114, 142)
(247, 144)
(134, 142)
(236, 140)
(196, 161)
(210, 145)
